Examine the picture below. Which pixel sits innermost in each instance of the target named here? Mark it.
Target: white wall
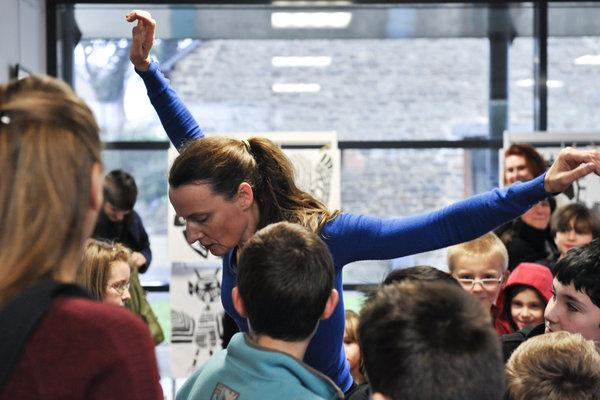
(22, 36)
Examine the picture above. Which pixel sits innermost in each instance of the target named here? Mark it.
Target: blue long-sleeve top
(351, 237)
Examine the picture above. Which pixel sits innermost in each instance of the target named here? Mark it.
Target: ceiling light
(296, 87)
(308, 61)
(588, 59)
(530, 82)
(554, 84)
(295, 20)
(300, 3)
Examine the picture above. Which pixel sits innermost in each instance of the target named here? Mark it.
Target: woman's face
(218, 224)
(566, 240)
(515, 169)
(352, 354)
(538, 216)
(526, 309)
(117, 292)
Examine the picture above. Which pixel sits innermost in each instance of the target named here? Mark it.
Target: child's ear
(332, 301)
(238, 304)
(504, 279)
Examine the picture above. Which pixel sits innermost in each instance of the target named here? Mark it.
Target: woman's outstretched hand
(570, 165)
(142, 38)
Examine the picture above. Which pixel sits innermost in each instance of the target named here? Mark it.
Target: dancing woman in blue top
(227, 189)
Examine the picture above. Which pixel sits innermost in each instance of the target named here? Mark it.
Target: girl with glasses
(105, 271)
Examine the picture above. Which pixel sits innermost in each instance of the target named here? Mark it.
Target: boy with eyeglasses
(575, 303)
(481, 268)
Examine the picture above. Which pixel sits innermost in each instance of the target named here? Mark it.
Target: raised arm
(352, 237)
(570, 165)
(178, 122)
(142, 39)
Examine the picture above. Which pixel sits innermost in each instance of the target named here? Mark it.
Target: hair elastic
(247, 144)
(4, 118)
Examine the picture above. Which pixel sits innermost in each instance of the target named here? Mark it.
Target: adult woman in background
(105, 271)
(227, 189)
(56, 342)
(527, 238)
(522, 162)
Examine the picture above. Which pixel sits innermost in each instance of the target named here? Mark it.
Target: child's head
(555, 366)
(351, 347)
(480, 266)
(120, 194)
(420, 339)
(105, 270)
(528, 290)
(572, 225)
(285, 282)
(418, 273)
(575, 305)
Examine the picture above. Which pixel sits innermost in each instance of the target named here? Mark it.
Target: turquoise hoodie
(246, 370)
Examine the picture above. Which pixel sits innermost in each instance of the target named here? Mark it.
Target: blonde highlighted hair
(48, 146)
(488, 246)
(96, 262)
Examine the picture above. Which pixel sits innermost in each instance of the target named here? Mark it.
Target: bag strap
(20, 315)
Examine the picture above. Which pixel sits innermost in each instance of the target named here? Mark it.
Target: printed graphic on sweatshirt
(222, 392)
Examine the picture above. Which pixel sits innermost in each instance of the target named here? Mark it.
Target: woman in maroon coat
(55, 341)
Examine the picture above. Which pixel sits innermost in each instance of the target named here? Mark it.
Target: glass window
(573, 67)
(105, 79)
(521, 84)
(406, 182)
(392, 89)
(149, 169)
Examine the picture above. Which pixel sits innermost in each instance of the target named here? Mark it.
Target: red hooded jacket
(535, 275)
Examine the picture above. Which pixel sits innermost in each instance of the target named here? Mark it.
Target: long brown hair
(48, 145)
(224, 163)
